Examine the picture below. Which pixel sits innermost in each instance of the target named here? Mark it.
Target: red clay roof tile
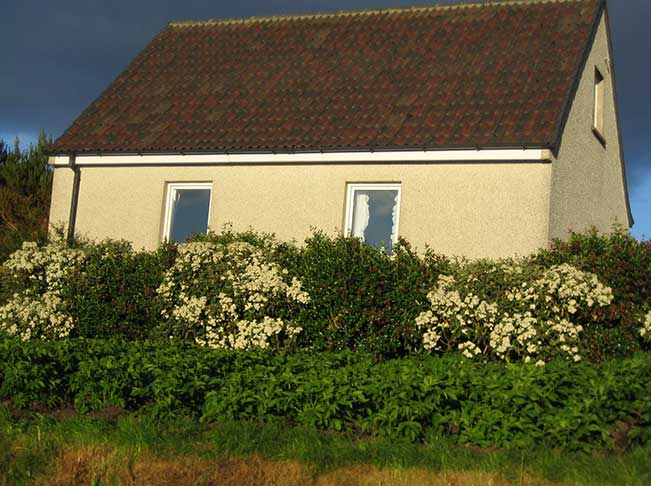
(495, 74)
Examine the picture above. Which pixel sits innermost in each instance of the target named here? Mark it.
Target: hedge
(624, 264)
(417, 398)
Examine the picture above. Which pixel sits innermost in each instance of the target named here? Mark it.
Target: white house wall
(587, 182)
(476, 209)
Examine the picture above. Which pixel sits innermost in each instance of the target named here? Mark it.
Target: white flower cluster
(229, 295)
(645, 329)
(514, 330)
(469, 349)
(35, 317)
(563, 289)
(249, 334)
(452, 316)
(44, 266)
(532, 320)
(39, 311)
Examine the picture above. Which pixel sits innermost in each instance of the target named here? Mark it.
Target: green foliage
(624, 264)
(419, 398)
(92, 290)
(412, 399)
(114, 293)
(359, 298)
(362, 299)
(36, 374)
(25, 171)
(25, 182)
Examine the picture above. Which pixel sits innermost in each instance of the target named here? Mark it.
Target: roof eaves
(394, 148)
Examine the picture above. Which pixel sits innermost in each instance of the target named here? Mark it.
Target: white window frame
(170, 193)
(598, 118)
(351, 187)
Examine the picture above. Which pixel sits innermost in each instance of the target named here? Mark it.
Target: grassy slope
(130, 450)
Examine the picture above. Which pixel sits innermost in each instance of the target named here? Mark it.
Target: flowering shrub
(538, 317)
(42, 316)
(645, 328)
(240, 290)
(624, 264)
(42, 268)
(229, 295)
(621, 261)
(39, 310)
(455, 318)
(92, 290)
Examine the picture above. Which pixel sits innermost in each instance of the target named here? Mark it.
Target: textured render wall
(472, 209)
(61, 196)
(587, 183)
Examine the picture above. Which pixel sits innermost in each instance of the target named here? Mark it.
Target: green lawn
(98, 450)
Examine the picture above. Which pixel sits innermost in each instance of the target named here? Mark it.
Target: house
(481, 129)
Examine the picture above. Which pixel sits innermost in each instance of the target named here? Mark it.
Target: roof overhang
(340, 157)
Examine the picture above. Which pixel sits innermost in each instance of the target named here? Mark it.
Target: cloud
(63, 54)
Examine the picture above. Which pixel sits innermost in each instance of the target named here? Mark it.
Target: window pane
(189, 213)
(374, 215)
(599, 102)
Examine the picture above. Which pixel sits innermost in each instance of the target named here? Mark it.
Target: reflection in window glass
(374, 216)
(189, 213)
(599, 86)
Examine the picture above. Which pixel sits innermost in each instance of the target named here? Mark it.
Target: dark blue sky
(59, 55)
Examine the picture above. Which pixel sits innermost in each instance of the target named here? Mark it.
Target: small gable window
(187, 209)
(372, 213)
(598, 120)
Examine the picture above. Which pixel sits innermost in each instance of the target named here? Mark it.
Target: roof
(474, 75)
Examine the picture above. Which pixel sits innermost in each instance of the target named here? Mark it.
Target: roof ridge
(356, 13)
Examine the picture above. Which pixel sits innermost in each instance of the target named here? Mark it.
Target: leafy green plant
(114, 293)
(360, 298)
(563, 404)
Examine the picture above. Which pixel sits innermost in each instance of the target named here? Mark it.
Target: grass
(179, 451)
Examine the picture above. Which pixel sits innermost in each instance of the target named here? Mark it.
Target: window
(598, 120)
(187, 209)
(373, 212)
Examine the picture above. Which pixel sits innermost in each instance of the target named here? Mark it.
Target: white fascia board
(405, 156)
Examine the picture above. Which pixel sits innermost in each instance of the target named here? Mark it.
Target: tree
(3, 152)
(26, 171)
(25, 184)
